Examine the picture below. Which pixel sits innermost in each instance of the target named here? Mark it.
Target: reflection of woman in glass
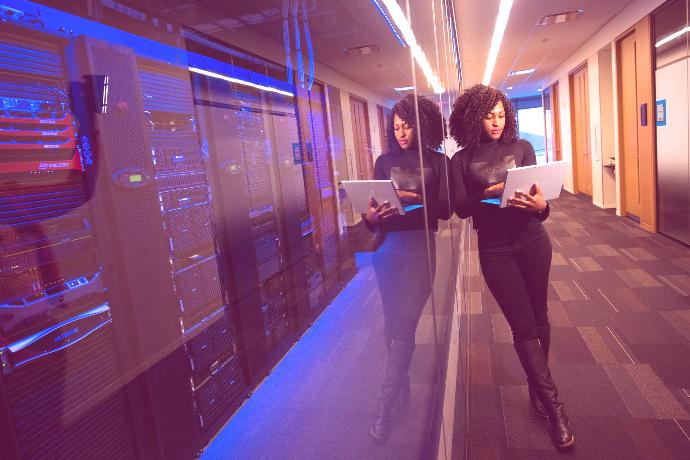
(514, 248)
(401, 262)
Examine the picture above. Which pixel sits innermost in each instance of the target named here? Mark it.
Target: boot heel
(534, 363)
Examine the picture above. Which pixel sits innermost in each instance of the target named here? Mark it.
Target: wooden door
(556, 110)
(629, 155)
(384, 117)
(362, 138)
(582, 161)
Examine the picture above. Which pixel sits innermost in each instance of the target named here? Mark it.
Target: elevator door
(630, 156)
(360, 131)
(581, 152)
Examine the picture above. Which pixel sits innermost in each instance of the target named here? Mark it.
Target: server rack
(321, 192)
(248, 207)
(185, 203)
(169, 313)
(59, 384)
(131, 233)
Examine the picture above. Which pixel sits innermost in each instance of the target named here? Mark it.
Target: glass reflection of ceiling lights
(239, 82)
(400, 21)
(672, 37)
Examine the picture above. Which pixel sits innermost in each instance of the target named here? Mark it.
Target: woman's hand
(495, 190)
(377, 213)
(533, 201)
(409, 197)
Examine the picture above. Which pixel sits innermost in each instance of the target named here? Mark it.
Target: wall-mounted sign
(661, 112)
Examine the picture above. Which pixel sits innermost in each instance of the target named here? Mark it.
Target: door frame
(577, 167)
(369, 158)
(646, 135)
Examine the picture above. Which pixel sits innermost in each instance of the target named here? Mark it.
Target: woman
(401, 262)
(514, 248)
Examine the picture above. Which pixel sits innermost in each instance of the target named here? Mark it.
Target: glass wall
(186, 269)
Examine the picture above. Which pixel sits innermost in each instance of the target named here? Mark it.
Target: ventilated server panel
(60, 374)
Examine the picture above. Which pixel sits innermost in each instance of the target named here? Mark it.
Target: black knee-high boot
(395, 377)
(534, 363)
(544, 333)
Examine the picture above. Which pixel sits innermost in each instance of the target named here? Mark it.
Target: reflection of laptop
(360, 191)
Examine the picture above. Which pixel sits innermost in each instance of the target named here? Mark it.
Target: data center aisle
(620, 311)
(320, 400)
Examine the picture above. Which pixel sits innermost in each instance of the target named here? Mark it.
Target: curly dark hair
(431, 123)
(469, 110)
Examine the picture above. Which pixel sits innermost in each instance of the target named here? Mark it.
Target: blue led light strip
(310, 48)
(388, 21)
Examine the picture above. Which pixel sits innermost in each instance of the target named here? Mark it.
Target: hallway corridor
(619, 306)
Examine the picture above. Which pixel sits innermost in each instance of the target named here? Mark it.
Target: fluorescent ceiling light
(388, 21)
(497, 38)
(239, 82)
(673, 36)
(540, 89)
(404, 88)
(510, 87)
(401, 22)
(520, 72)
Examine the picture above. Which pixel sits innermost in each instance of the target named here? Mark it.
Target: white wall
(637, 10)
(606, 131)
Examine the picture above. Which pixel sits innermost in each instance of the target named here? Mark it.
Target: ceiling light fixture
(671, 37)
(559, 17)
(497, 38)
(388, 21)
(509, 88)
(360, 50)
(401, 22)
(520, 72)
(208, 73)
(404, 88)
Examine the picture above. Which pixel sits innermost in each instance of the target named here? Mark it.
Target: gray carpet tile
(619, 305)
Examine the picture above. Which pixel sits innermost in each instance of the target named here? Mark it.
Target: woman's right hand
(377, 213)
(495, 190)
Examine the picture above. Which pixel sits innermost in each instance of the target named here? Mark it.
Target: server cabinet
(184, 197)
(60, 390)
(131, 235)
(248, 210)
(321, 191)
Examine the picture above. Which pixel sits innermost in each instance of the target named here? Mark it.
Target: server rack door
(131, 235)
(298, 226)
(319, 182)
(60, 379)
(234, 127)
(185, 205)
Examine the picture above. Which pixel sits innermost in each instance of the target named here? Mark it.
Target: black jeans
(401, 265)
(516, 269)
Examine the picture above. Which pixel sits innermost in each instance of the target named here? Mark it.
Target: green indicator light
(135, 178)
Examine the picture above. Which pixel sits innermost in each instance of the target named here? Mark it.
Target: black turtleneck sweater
(402, 166)
(477, 168)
